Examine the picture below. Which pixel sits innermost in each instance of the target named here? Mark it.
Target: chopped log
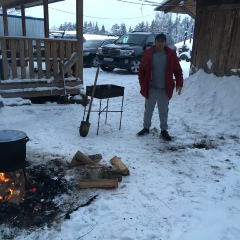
(120, 166)
(19, 188)
(98, 183)
(95, 157)
(81, 159)
(111, 174)
(118, 176)
(93, 172)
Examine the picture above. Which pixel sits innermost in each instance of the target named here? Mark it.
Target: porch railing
(36, 58)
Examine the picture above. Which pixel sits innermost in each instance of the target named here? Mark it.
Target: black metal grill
(105, 91)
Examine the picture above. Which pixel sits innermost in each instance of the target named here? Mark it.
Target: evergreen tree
(102, 31)
(130, 29)
(96, 29)
(161, 23)
(115, 29)
(123, 29)
(140, 27)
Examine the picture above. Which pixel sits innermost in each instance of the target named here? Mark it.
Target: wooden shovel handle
(93, 91)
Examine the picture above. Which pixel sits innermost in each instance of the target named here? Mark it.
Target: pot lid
(11, 135)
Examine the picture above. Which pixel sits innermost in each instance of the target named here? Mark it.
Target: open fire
(6, 187)
(33, 203)
(12, 187)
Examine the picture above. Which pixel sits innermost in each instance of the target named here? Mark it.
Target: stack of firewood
(98, 175)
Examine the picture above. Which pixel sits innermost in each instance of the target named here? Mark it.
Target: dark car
(90, 49)
(126, 52)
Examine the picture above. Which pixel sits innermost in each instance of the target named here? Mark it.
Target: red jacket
(172, 67)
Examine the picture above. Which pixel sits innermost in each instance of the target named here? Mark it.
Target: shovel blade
(84, 128)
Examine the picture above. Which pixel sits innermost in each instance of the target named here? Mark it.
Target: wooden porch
(36, 67)
(32, 67)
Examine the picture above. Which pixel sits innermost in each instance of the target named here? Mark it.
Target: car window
(132, 38)
(150, 39)
(92, 43)
(108, 42)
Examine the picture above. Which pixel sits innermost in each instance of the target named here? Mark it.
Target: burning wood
(12, 188)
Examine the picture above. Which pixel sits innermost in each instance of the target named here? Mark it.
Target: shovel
(85, 125)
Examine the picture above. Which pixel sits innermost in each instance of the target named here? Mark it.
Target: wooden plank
(234, 50)
(39, 59)
(220, 7)
(13, 61)
(54, 56)
(5, 21)
(47, 58)
(61, 51)
(98, 183)
(24, 93)
(22, 58)
(223, 20)
(68, 55)
(4, 59)
(30, 55)
(40, 84)
(79, 44)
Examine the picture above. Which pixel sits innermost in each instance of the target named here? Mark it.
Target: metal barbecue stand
(106, 91)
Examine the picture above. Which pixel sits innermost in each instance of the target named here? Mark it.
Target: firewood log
(81, 159)
(120, 166)
(98, 183)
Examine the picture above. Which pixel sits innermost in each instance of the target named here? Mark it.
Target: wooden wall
(217, 38)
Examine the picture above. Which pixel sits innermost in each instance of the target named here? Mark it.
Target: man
(155, 75)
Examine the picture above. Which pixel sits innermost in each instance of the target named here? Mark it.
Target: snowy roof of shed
(178, 6)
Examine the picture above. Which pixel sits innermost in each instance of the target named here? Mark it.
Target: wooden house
(36, 66)
(216, 47)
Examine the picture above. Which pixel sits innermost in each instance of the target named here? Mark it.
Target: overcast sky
(107, 12)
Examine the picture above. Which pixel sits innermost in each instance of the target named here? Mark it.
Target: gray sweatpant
(160, 96)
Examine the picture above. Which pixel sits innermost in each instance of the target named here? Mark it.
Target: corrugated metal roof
(178, 6)
(26, 3)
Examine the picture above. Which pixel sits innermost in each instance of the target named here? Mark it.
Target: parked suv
(126, 52)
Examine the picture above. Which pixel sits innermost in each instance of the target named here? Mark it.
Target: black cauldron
(12, 150)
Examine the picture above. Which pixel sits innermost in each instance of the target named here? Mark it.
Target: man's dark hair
(161, 36)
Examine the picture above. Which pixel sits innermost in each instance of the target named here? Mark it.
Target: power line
(101, 17)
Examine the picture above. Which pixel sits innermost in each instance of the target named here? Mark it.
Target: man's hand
(178, 90)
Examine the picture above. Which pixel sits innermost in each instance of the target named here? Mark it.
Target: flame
(3, 178)
(32, 190)
(9, 193)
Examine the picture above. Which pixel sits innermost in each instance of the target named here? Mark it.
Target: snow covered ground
(187, 189)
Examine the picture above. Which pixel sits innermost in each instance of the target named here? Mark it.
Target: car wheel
(95, 61)
(106, 69)
(184, 57)
(134, 66)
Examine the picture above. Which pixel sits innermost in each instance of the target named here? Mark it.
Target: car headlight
(126, 52)
(86, 53)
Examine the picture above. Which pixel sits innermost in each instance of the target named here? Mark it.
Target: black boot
(143, 132)
(165, 135)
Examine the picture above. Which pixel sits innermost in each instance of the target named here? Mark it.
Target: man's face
(160, 44)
